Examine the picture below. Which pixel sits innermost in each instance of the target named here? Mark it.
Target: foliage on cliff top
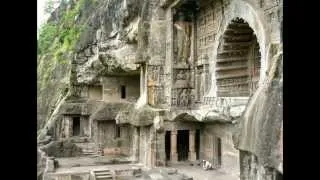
(60, 35)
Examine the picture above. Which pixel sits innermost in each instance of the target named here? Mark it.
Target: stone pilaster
(192, 151)
(68, 126)
(135, 148)
(174, 154)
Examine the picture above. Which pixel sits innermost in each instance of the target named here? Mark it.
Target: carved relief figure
(181, 79)
(155, 73)
(174, 97)
(182, 29)
(184, 98)
(181, 75)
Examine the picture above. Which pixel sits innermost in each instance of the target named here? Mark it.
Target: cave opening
(168, 144)
(238, 61)
(197, 144)
(183, 145)
(76, 126)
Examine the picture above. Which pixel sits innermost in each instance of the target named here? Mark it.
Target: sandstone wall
(112, 88)
(209, 144)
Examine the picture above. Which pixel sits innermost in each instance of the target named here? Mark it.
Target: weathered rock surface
(107, 45)
(64, 148)
(164, 174)
(260, 131)
(123, 38)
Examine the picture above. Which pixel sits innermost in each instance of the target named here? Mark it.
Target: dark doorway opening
(219, 152)
(168, 145)
(183, 145)
(197, 143)
(278, 175)
(118, 131)
(76, 126)
(123, 92)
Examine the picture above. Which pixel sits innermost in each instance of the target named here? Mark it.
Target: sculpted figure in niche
(184, 98)
(181, 75)
(174, 97)
(181, 79)
(155, 73)
(182, 30)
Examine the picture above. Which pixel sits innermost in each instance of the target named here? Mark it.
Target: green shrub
(47, 35)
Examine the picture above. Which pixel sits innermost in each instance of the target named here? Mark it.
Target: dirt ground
(86, 164)
(200, 174)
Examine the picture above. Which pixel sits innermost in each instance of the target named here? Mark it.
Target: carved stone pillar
(135, 149)
(68, 126)
(192, 152)
(174, 154)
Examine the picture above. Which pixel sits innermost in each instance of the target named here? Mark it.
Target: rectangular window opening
(123, 92)
(118, 135)
(197, 144)
(76, 126)
(168, 145)
(219, 152)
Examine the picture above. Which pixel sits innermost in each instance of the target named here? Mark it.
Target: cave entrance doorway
(183, 145)
(76, 126)
(168, 145)
(238, 61)
(219, 152)
(197, 143)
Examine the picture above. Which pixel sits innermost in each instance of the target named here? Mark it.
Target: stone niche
(121, 88)
(75, 126)
(183, 69)
(155, 84)
(95, 92)
(115, 140)
(238, 61)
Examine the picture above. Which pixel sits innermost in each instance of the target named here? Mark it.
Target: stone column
(174, 154)
(135, 149)
(68, 126)
(50, 164)
(84, 126)
(192, 151)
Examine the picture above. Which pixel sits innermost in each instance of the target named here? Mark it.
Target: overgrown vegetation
(56, 45)
(60, 37)
(57, 39)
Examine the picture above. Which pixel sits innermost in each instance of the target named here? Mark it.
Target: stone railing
(225, 101)
(229, 106)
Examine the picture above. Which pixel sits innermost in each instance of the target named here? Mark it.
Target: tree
(50, 6)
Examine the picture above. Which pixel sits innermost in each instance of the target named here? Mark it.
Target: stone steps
(102, 174)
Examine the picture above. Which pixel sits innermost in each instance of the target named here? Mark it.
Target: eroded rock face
(64, 148)
(260, 137)
(109, 44)
(156, 67)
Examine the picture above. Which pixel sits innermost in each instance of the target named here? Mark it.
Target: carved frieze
(206, 30)
(155, 84)
(182, 97)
